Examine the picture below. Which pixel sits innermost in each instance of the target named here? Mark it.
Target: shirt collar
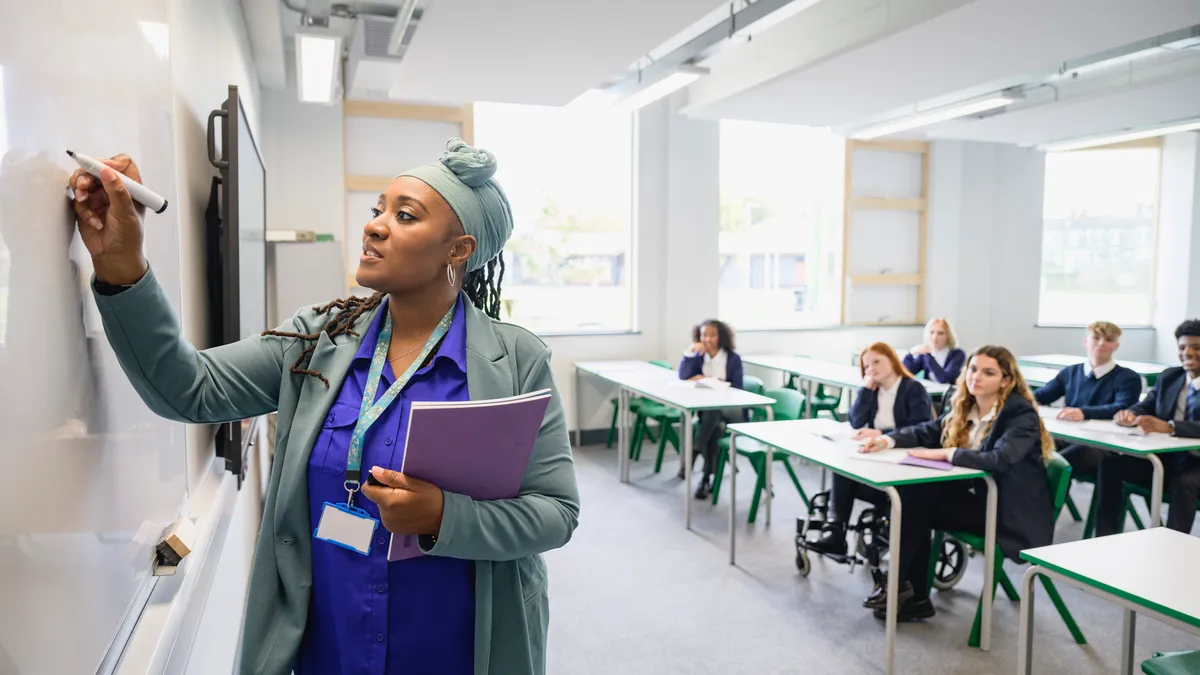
(454, 345)
(941, 354)
(1099, 371)
(720, 354)
(892, 389)
(974, 417)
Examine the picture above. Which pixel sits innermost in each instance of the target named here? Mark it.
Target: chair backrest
(1058, 474)
(662, 364)
(752, 384)
(789, 403)
(944, 404)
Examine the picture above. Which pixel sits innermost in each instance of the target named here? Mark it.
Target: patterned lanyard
(370, 409)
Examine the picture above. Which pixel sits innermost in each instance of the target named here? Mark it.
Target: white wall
(209, 52)
(990, 196)
(1177, 282)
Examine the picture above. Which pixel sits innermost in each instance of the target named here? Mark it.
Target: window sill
(1084, 325)
(822, 329)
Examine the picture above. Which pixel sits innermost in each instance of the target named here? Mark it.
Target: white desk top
(603, 368)
(1036, 376)
(684, 394)
(1155, 568)
(1063, 360)
(1109, 435)
(825, 372)
(828, 443)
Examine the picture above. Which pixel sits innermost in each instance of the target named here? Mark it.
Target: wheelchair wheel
(951, 564)
(803, 564)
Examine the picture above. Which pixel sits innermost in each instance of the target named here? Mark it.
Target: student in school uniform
(1172, 407)
(938, 356)
(993, 425)
(890, 398)
(1095, 390)
(711, 355)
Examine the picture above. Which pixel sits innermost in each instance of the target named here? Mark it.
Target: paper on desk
(831, 430)
(893, 456)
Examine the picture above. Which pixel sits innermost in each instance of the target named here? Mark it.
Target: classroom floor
(635, 593)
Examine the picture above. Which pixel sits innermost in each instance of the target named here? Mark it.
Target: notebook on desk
(477, 448)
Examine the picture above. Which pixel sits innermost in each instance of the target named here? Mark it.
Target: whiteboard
(84, 463)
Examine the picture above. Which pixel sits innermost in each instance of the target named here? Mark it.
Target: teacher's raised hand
(110, 222)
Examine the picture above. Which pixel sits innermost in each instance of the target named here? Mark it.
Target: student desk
(1108, 435)
(1037, 376)
(665, 387)
(815, 371)
(1149, 370)
(829, 444)
(1152, 572)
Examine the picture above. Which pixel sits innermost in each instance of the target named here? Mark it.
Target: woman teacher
(476, 603)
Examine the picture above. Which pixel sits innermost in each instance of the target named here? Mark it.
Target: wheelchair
(870, 545)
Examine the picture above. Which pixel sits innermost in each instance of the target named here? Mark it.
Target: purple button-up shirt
(368, 616)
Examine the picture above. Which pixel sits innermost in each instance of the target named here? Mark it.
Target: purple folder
(927, 463)
(477, 448)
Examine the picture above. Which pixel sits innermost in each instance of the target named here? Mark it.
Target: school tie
(1193, 404)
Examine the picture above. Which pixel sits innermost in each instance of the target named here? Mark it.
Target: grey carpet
(635, 593)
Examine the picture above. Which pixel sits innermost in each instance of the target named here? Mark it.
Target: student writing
(938, 356)
(1172, 407)
(1094, 390)
(992, 425)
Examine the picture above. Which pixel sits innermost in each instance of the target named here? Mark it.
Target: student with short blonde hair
(938, 356)
(1095, 390)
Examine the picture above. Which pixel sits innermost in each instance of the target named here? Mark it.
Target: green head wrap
(463, 177)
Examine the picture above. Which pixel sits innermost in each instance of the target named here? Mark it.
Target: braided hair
(482, 288)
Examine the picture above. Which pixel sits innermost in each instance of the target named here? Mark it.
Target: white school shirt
(1099, 371)
(885, 414)
(940, 355)
(714, 366)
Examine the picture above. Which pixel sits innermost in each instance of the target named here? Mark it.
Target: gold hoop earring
(450, 273)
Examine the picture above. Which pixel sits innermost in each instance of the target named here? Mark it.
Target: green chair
(1089, 525)
(1172, 663)
(1128, 490)
(752, 384)
(1058, 472)
(789, 405)
(662, 364)
(634, 405)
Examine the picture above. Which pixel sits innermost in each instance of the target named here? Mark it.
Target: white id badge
(346, 526)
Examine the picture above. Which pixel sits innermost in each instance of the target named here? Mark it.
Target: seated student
(1094, 390)
(938, 356)
(711, 355)
(889, 399)
(992, 425)
(1172, 407)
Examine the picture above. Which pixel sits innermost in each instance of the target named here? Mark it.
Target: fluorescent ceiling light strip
(662, 88)
(1095, 141)
(317, 59)
(934, 116)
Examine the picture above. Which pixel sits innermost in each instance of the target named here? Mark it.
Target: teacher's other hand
(407, 505)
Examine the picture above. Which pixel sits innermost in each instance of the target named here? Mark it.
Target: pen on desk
(140, 193)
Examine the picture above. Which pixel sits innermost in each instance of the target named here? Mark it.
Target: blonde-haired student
(1095, 390)
(938, 356)
(890, 398)
(993, 425)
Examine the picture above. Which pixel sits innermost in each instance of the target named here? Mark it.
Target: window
(781, 222)
(569, 177)
(1106, 203)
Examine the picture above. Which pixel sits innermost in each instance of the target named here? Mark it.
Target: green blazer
(252, 377)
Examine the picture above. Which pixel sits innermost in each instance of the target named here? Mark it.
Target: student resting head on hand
(711, 355)
(992, 425)
(890, 398)
(938, 356)
(431, 251)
